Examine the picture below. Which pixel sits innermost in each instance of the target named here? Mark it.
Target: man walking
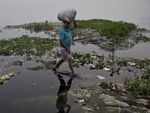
(66, 37)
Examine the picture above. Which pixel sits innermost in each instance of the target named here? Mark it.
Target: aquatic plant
(116, 33)
(26, 45)
(92, 60)
(140, 86)
(35, 26)
(108, 28)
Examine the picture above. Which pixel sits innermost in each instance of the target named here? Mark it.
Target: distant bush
(110, 29)
(37, 27)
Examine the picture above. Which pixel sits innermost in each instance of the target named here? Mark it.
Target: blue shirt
(65, 35)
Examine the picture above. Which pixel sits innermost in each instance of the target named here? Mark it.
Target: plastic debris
(100, 77)
(81, 101)
(4, 78)
(131, 63)
(92, 66)
(106, 69)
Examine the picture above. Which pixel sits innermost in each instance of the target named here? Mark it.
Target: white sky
(23, 11)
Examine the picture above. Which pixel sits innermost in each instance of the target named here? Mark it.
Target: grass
(108, 28)
(140, 86)
(26, 45)
(35, 26)
(116, 32)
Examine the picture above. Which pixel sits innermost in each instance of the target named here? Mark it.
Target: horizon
(26, 11)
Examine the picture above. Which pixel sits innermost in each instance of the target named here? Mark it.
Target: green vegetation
(35, 27)
(108, 28)
(26, 45)
(94, 61)
(140, 86)
(117, 33)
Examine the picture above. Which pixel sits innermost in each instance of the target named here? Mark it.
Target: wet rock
(104, 85)
(35, 68)
(113, 109)
(112, 101)
(142, 102)
(48, 64)
(86, 108)
(29, 57)
(1, 82)
(126, 111)
(80, 93)
(18, 63)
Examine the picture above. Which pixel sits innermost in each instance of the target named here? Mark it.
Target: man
(66, 37)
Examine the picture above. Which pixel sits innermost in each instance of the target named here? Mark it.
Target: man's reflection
(61, 102)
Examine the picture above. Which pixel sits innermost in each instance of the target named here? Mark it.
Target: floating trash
(100, 77)
(106, 69)
(92, 66)
(81, 101)
(4, 78)
(131, 63)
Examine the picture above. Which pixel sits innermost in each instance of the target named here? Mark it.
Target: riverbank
(105, 82)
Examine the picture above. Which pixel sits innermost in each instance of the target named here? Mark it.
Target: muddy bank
(102, 81)
(109, 100)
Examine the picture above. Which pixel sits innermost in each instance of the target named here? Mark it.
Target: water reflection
(62, 95)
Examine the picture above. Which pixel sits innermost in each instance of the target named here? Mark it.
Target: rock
(111, 101)
(87, 108)
(142, 102)
(18, 63)
(104, 85)
(1, 82)
(120, 87)
(113, 109)
(126, 111)
(88, 95)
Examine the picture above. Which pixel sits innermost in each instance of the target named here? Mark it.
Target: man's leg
(70, 65)
(58, 64)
